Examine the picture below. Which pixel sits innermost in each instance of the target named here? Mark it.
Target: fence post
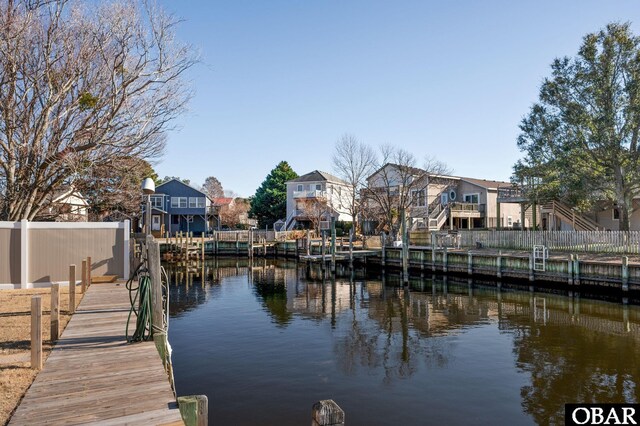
(72, 289)
(83, 276)
(89, 263)
(625, 273)
(36, 332)
(327, 413)
(24, 253)
(55, 312)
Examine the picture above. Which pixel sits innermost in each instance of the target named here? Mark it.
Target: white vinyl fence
(627, 242)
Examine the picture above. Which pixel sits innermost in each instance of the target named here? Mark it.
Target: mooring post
(531, 276)
(499, 265)
(323, 249)
(383, 240)
(237, 243)
(36, 332)
(83, 276)
(54, 312)
(194, 410)
(202, 248)
(433, 251)
(445, 267)
(469, 263)
(405, 248)
(327, 413)
(153, 259)
(333, 244)
(625, 273)
(351, 247)
(570, 270)
(249, 243)
(421, 260)
(576, 270)
(72, 289)
(308, 242)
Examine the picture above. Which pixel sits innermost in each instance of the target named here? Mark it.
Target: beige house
(453, 202)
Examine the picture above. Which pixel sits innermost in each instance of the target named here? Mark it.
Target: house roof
(489, 184)
(63, 193)
(221, 201)
(185, 184)
(316, 176)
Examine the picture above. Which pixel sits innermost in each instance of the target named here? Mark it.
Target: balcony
(511, 195)
(310, 194)
(467, 209)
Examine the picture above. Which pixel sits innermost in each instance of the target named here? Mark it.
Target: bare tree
(81, 84)
(212, 187)
(315, 209)
(353, 161)
(398, 182)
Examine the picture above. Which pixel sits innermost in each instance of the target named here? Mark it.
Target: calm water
(265, 344)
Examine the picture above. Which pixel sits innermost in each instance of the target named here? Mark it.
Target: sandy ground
(15, 327)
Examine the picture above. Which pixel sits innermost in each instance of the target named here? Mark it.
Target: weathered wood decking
(94, 376)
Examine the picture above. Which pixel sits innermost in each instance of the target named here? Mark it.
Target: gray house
(176, 207)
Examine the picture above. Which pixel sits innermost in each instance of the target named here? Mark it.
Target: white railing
(623, 242)
(437, 222)
(309, 194)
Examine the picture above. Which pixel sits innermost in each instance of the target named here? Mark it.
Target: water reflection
(569, 349)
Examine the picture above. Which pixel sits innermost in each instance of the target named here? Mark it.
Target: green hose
(140, 296)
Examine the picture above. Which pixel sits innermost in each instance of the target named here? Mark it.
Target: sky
(284, 80)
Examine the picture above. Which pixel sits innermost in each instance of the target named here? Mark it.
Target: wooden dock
(94, 376)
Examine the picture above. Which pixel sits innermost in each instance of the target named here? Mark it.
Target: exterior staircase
(438, 216)
(570, 216)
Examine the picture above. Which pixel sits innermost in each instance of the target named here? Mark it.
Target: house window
(418, 198)
(509, 221)
(318, 187)
(156, 201)
(201, 202)
(179, 202)
(471, 198)
(300, 187)
(193, 202)
(616, 213)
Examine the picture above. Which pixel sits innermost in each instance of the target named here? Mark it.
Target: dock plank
(94, 376)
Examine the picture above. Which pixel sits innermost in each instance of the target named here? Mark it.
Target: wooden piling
(83, 277)
(194, 410)
(384, 251)
(576, 270)
(469, 263)
(327, 413)
(237, 243)
(333, 244)
(72, 289)
(570, 262)
(36, 332)
(499, 265)
(625, 273)
(531, 273)
(202, 248)
(153, 259)
(308, 242)
(351, 247)
(445, 267)
(54, 312)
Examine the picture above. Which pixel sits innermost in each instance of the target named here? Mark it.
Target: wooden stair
(568, 215)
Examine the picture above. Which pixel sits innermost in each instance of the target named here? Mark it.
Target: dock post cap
(327, 412)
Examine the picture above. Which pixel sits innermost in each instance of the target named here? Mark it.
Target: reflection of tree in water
(575, 365)
(270, 287)
(385, 333)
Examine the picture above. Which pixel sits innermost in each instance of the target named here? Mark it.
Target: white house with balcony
(317, 197)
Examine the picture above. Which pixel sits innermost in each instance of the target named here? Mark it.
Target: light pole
(148, 188)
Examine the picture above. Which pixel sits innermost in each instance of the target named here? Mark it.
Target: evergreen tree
(270, 200)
